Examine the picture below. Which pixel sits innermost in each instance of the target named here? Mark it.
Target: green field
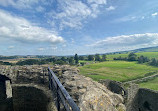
(149, 54)
(116, 70)
(110, 57)
(152, 84)
(146, 54)
(90, 62)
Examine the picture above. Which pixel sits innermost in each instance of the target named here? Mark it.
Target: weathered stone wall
(2, 90)
(6, 103)
(132, 101)
(29, 99)
(88, 94)
(144, 79)
(132, 91)
(114, 86)
(147, 100)
(140, 99)
(30, 88)
(25, 74)
(32, 97)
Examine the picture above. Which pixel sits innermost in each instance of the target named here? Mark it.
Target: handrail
(61, 93)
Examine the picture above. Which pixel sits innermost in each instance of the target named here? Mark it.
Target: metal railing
(62, 96)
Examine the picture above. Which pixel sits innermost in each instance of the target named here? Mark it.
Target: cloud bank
(128, 41)
(21, 29)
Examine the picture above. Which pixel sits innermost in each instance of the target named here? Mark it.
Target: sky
(66, 27)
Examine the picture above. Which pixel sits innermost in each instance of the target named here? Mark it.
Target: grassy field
(116, 70)
(149, 54)
(146, 54)
(153, 84)
(83, 61)
(110, 57)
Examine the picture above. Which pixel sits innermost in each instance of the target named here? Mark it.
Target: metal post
(43, 76)
(58, 99)
(49, 80)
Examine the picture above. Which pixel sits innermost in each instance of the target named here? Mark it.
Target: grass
(116, 70)
(83, 61)
(110, 57)
(149, 54)
(152, 84)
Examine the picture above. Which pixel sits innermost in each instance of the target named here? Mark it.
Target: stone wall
(132, 91)
(29, 99)
(114, 86)
(24, 74)
(147, 100)
(30, 89)
(32, 97)
(140, 99)
(88, 94)
(6, 103)
(144, 79)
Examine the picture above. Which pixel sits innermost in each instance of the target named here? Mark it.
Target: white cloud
(128, 41)
(6, 2)
(66, 13)
(127, 18)
(40, 9)
(54, 47)
(110, 8)
(11, 47)
(21, 29)
(19, 4)
(97, 1)
(72, 13)
(41, 49)
(154, 14)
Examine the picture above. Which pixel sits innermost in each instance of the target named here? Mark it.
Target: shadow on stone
(6, 103)
(29, 99)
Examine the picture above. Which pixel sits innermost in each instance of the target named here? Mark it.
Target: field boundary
(144, 79)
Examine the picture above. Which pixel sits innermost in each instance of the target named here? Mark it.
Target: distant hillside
(150, 52)
(148, 49)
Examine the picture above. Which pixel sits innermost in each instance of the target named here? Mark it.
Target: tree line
(142, 59)
(71, 60)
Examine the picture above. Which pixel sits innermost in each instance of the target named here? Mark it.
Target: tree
(28, 62)
(120, 58)
(90, 57)
(103, 57)
(146, 59)
(97, 57)
(142, 59)
(81, 58)
(63, 59)
(153, 62)
(71, 61)
(132, 57)
(60, 62)
(76, 58)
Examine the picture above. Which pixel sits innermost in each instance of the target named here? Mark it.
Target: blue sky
(66, 27)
